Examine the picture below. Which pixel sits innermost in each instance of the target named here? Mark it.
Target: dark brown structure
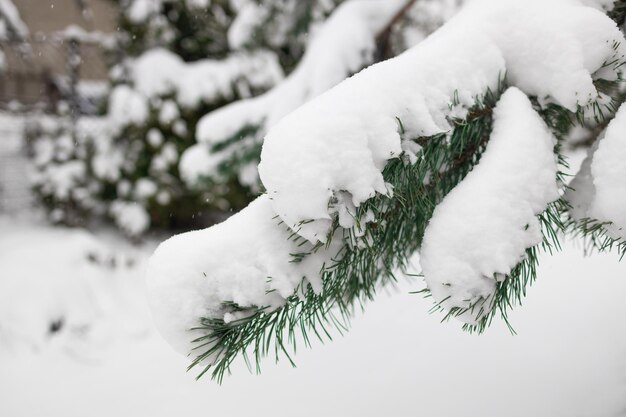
(42, 68)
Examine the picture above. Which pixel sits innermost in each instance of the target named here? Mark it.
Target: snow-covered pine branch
(342, 46)
(354, 176)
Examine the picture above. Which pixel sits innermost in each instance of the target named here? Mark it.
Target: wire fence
(39, 74)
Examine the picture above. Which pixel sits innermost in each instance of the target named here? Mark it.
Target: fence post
(73, 62)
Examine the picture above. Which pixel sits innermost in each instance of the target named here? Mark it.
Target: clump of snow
(159, 72)
(164, 159)
(168, 113)
(609, 176)
(140, 10)
(154, 137)
(191, 275)
(243, 26)
(130, 217)
(145, 188)
(599, 190)
(59, 180)
(196, 163)
(346, 136)
(127, 106)
(76, 32)
(483, 227)
(581, 190)
(108, 160)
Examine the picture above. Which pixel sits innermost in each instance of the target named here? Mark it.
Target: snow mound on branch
(599, 189)
(159, 72)
(482, 228)
(609, 176)
(345, 137)
(245, 260)
(342, 46)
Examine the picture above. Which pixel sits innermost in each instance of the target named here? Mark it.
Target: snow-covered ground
(568, 359)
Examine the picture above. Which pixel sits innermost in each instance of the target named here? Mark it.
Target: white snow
(154, 137)
(107, 161)
(168, 112)
(130, 217)
(145, 188)
(482, 228)
(343, 45)
(609, 177)
(60, 180)
(345, 136)
(165, 159)
(127, 106)
(159, 72)
(69, 277)
(107, 359)
(581, 192)
(192, 274)
(140, 10)
(243, 26)
(337, 145)
(76, 32)
(598, 191)
(196, 163)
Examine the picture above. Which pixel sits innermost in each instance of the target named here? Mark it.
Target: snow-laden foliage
(348, 41)
(354, 176)
(179, 67)
(482, 228)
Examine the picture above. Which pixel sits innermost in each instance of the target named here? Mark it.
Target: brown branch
(383, 47)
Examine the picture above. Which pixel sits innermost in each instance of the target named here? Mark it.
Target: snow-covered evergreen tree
(451, 149)
(183, 59)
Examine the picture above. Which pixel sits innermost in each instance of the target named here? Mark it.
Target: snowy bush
(181, 65)
(451, 149)
(62, 176)
(149, 123)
